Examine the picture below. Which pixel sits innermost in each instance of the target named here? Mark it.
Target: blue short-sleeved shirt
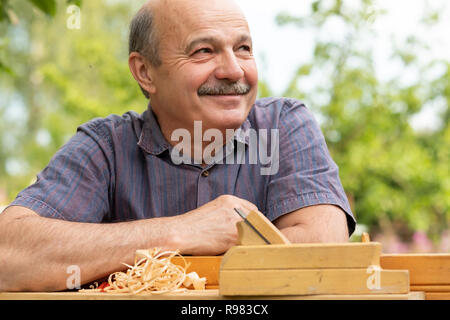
(121, 168)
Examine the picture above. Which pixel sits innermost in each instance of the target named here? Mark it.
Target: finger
(248, 206)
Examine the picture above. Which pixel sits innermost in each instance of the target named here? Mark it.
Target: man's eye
(245, 48)
(203, 50)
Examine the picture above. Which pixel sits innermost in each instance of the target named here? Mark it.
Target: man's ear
(142, 72)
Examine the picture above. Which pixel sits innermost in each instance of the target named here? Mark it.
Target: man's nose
(229, 67)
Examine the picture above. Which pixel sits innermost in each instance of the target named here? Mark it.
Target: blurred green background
(54, 78)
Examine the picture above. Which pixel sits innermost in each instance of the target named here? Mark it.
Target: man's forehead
(165, 5)
(195, 40)
(188, 15)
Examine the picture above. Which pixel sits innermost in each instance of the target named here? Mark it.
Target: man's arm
(308, 178)
(315, 224)
(35, 252)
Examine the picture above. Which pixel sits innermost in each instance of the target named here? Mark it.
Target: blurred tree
(394, 175)
(8, 16)
(59, 78)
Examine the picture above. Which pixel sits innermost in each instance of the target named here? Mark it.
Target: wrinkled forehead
(181, 20)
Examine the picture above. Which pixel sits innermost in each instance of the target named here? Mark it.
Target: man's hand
(211, 229)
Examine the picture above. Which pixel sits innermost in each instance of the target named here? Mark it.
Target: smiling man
(206, 72)
(203, 68)
(114, 187)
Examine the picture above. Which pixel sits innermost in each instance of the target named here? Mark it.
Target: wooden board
(247, 236)
(431, 288)
(424, 269)
(195, 295)
(306, 282)
(437, 295)
(302, 256)
(433, 292)
(207, 267)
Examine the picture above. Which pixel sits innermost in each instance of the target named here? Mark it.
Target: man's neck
(198, 143)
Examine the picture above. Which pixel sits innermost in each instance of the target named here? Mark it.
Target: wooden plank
(200, 295)
(207, 266)
(424, 269)
(191, 295)
(304, 281)
(431, 288)
(437, 295)
(247, 236)
(265, 227)
(407, 296)
(303, 256)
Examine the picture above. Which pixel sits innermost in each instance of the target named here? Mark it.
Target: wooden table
(195, 295)
(429, 273)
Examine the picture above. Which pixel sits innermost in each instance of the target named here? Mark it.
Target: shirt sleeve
(74, 186)
(307, 174)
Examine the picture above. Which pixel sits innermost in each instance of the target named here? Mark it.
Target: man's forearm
(35, 252)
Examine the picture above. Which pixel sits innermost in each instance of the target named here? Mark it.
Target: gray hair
(143, 38)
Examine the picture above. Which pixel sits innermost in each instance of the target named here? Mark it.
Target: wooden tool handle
(365, 237)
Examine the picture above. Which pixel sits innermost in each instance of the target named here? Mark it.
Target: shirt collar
(152, 140)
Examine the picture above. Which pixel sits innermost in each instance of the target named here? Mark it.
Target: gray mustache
(235, 88)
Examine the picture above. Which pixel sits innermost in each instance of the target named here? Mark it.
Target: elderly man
(114, 187)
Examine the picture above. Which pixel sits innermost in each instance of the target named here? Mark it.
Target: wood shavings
(152, 273)
(192, 279)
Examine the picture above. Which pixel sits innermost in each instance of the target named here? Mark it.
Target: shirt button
(205, 174)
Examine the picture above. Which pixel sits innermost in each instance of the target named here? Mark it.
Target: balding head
(194, 59)
(157, 16)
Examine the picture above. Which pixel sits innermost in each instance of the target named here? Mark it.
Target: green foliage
(60, 78)
(393, 174)
(8, 16)
(49, 7)
(5, 13)
(46, 6)
(5, 69)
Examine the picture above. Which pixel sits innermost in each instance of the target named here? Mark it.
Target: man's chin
(229, 119)
(226, 112)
